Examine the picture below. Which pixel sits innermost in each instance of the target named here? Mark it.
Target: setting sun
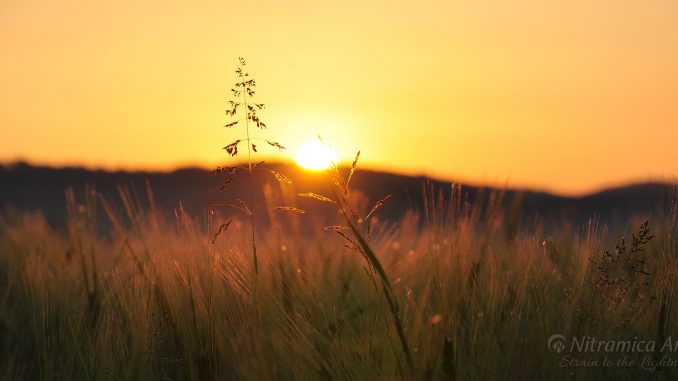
(315, 156)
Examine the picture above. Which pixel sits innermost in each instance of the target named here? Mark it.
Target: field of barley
(452, 293)
(338, 190)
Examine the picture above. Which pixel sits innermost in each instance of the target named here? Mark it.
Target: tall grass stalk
(243, 108)
(342, 194)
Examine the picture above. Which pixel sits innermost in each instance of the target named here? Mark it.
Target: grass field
(153, 298)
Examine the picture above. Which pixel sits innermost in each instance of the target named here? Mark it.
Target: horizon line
(168, 169)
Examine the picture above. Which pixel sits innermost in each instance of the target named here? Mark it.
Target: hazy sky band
(562, 96)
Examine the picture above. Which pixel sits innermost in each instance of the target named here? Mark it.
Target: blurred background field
(125, 283)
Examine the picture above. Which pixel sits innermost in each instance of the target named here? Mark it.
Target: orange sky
(563, 96)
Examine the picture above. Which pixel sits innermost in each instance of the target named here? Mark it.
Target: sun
(315, 156)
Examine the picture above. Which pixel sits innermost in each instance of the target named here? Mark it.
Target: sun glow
(315, 156)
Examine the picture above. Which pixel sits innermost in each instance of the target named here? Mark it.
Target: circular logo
(557, 343)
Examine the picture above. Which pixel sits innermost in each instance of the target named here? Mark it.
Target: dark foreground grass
(155, 300)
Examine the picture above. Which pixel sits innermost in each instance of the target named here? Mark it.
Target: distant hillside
(33, 188)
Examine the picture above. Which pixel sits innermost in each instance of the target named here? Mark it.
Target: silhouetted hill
(34, 188)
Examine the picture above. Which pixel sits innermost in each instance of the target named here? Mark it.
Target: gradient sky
(562, 96)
